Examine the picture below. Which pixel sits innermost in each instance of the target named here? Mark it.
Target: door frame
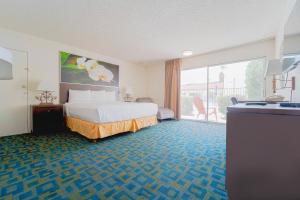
(26, 68)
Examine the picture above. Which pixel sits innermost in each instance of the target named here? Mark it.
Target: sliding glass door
(206, 92)
(194, 94)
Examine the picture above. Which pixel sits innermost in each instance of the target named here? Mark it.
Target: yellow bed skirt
(94, 131)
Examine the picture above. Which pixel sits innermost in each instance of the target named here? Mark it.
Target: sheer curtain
(172, 86)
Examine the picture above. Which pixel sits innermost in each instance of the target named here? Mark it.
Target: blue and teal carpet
(173, 160)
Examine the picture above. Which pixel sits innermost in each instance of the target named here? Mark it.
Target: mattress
(110, 112)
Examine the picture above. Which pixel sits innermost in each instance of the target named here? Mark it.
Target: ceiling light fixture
(187, 53)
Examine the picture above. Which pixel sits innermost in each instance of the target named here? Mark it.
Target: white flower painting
(78, 69)
(96, 72)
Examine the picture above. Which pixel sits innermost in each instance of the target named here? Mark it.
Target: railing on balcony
(218, 99)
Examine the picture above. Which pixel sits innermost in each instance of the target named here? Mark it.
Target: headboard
(64, 90)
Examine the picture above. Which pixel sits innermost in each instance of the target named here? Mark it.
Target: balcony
(196, 106)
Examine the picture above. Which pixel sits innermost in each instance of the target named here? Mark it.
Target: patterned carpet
(173, 160)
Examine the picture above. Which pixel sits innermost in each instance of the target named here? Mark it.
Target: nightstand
(47, 118)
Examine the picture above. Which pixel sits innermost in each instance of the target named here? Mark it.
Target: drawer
(47, 119)
(47, 109)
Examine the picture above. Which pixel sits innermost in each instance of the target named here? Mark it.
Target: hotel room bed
(103, 115)
(102, 120)
(110, 112)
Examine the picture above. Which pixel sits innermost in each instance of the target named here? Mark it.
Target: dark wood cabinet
(262, 152)
(47, 118)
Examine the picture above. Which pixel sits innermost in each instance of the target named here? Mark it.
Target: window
(194, 93)
(206, 91)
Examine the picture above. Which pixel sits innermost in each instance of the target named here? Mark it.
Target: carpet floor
(172, 160)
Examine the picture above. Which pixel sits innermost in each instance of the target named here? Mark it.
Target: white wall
(259, 49)
(265, 48)
(155, 71)
(156, 81)
(43, 62)
(291, 44)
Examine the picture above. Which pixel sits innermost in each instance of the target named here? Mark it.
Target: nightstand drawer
(47, 109)
(47, 119)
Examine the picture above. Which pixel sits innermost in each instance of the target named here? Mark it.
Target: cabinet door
(57, 119)
(41, 120)
(14, 93)
(47, 120)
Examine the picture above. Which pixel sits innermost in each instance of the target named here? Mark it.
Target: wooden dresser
(47, 118)
(263, 152)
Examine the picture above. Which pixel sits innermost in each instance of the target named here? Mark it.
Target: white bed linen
(110, 112)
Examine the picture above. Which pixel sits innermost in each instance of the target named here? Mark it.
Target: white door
(13, 92)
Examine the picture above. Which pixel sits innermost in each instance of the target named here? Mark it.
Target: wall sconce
(6, 72)
(275, 68)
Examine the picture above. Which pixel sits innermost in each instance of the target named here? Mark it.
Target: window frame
(207, 67)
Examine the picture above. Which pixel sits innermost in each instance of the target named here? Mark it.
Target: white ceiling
(145, 30)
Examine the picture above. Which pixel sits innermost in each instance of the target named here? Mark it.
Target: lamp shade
(46, 86)
(274, 67)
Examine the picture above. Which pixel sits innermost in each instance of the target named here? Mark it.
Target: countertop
(275, 109)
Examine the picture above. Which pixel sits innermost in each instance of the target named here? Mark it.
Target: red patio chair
(198, 102)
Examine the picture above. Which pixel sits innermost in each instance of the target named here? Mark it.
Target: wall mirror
(6, 64)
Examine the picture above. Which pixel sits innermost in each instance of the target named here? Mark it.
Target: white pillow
(110, 96)
(98, 95)
(77, 96)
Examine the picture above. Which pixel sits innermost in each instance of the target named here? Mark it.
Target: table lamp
(47, 89)
(274, 68)
(128, 93)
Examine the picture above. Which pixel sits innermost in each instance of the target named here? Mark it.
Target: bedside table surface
(46, 105)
